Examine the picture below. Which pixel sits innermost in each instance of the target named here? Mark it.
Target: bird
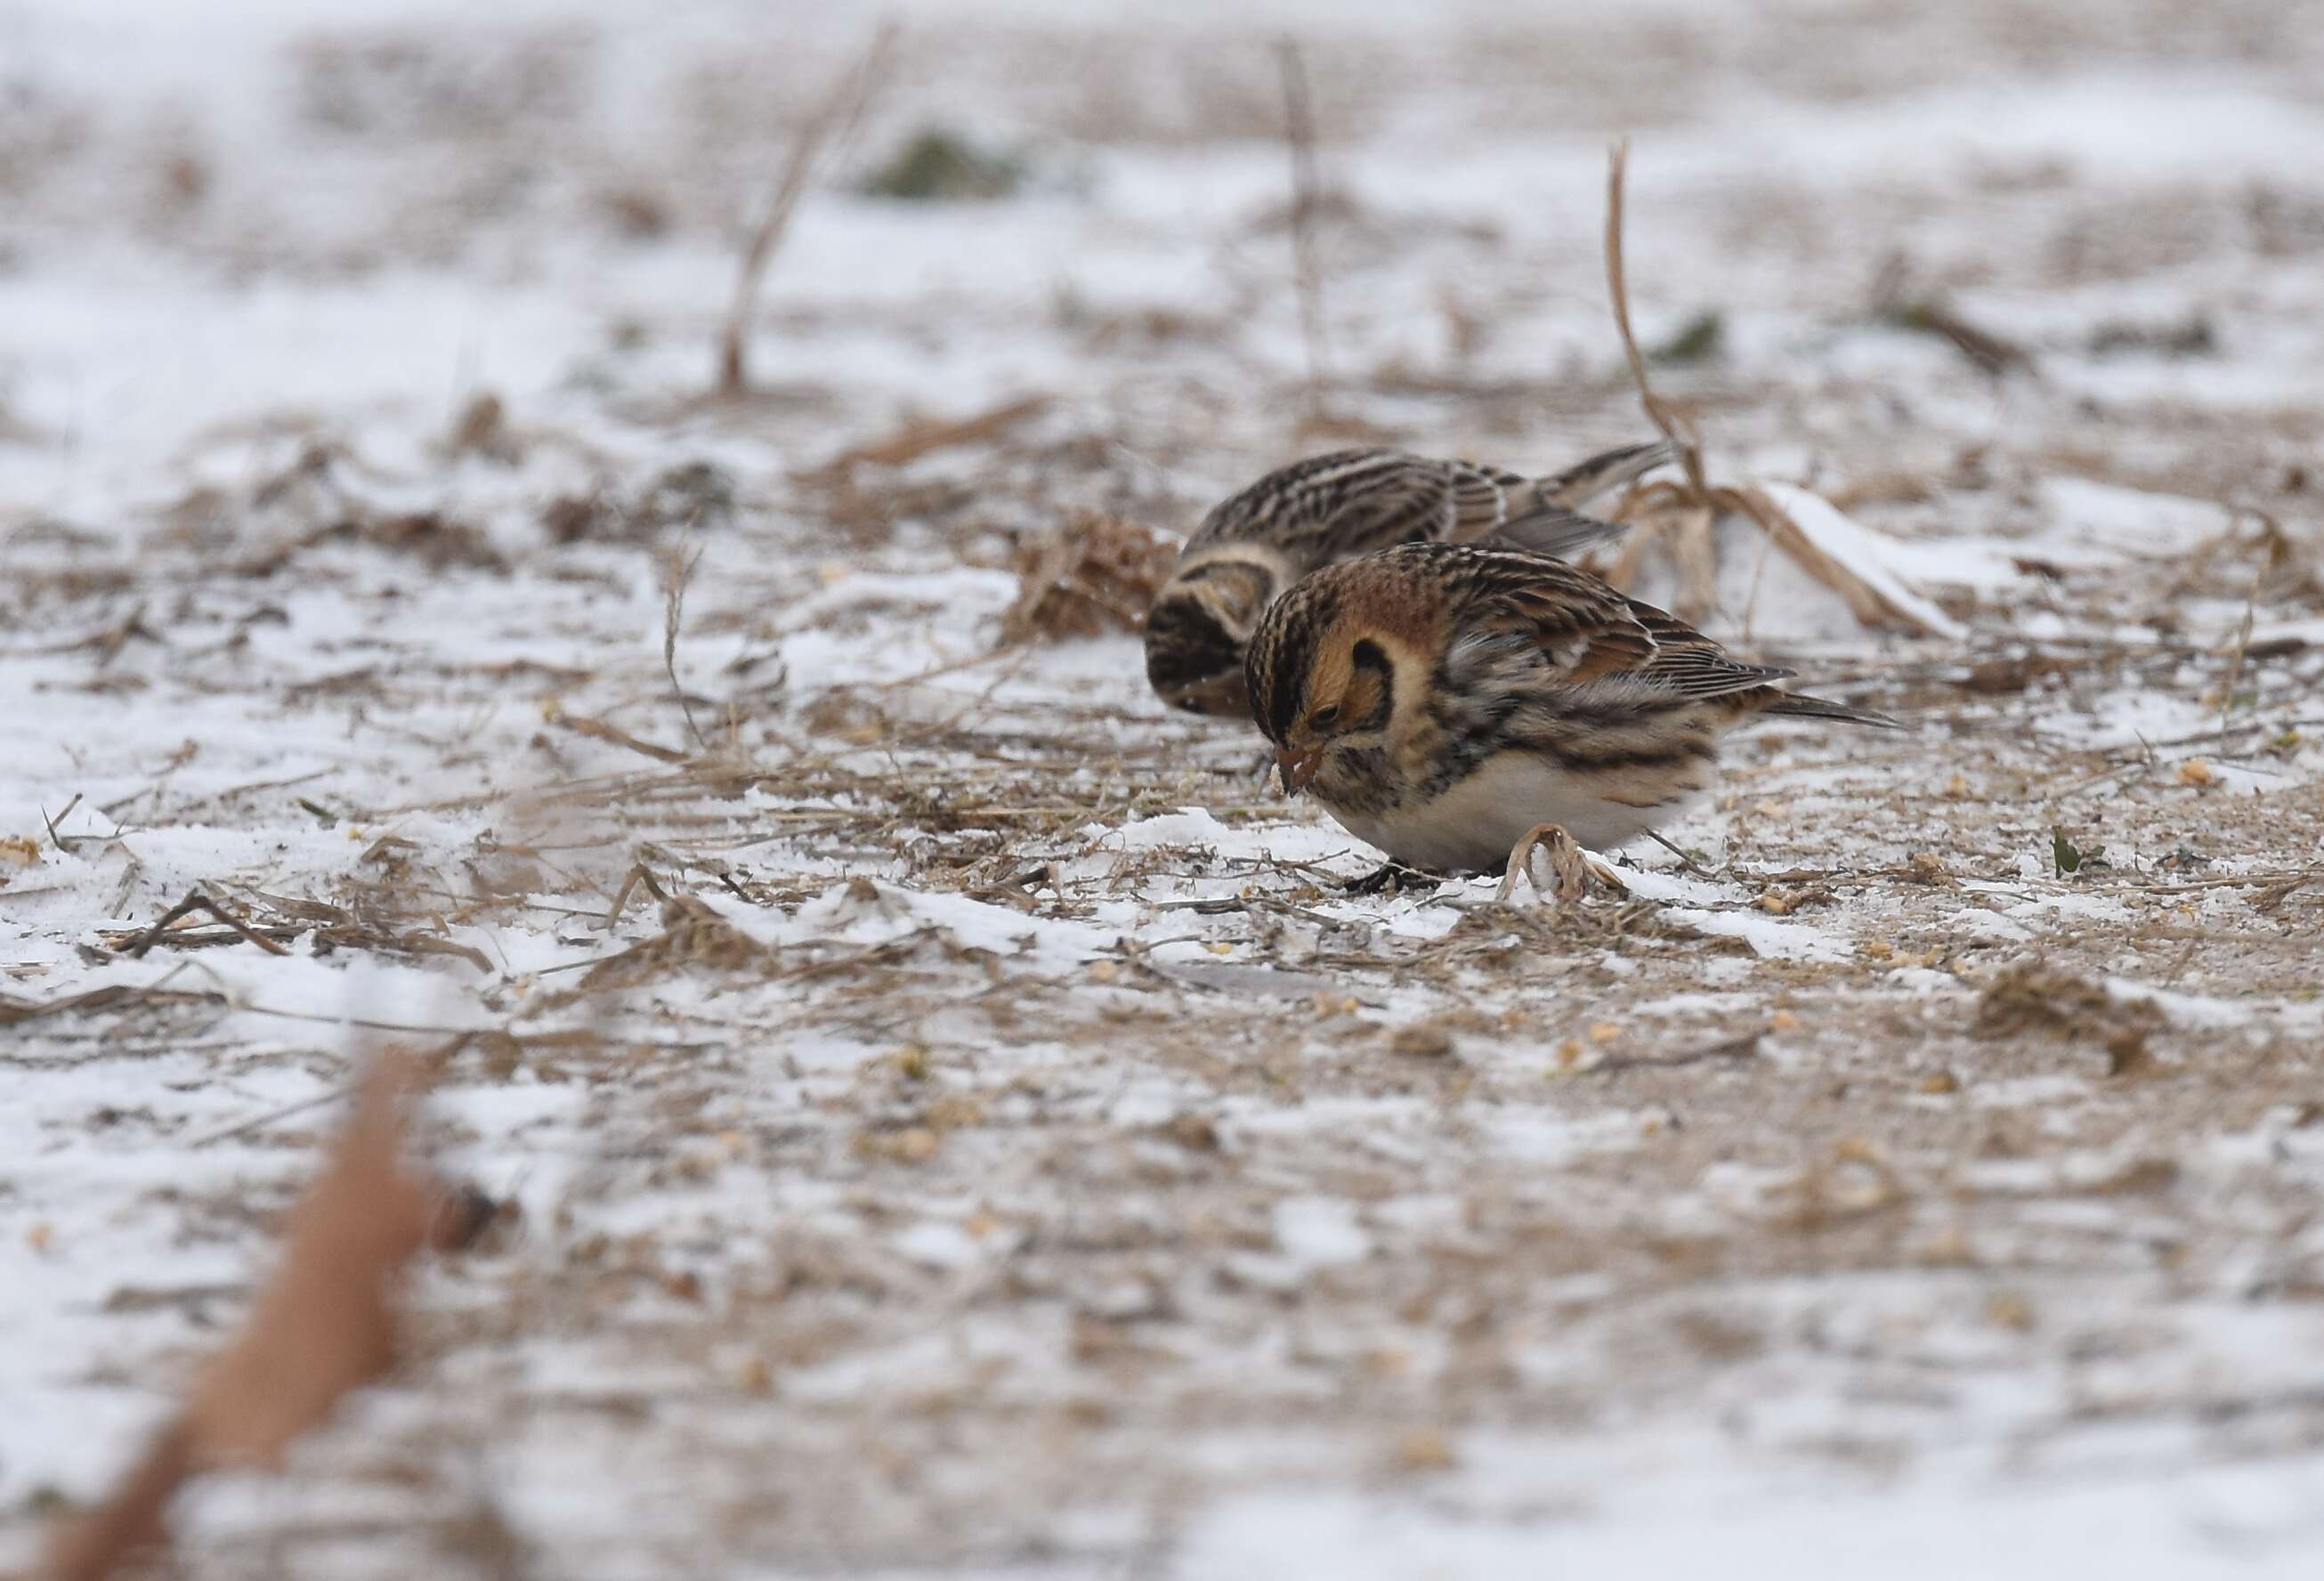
(1458, 705)
(1333, 507)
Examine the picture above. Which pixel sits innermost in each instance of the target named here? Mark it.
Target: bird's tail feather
(1578, 485)
(1801, 706)
(1554, 530)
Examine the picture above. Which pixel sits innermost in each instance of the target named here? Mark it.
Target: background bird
(1334, 507)
(1446, 702)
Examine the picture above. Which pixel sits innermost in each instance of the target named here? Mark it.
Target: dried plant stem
(840, 110)
(64, 844)
(679, 571)
(2242, 651)
(199, 901)
(1306, 192)
(1673, 423)
(926, 436)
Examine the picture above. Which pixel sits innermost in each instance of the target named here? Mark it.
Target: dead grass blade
(13, 1009)
(199, 901)
(63, 842)
(1673, 423)
(920, 438)
(599, 730)
(841, 109)
(678, 570)
(1683, 518)
(1927, 315)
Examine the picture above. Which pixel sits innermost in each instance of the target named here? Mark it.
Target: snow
(986, 1140)
(2229, 1521)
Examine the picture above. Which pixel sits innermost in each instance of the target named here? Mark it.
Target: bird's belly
(1473, 825)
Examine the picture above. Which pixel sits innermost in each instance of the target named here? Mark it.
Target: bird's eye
(1324, 718)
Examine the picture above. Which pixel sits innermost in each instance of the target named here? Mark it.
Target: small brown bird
(1330, 508)
(1456, 704)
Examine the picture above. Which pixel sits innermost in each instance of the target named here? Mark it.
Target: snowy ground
(1003, 1152)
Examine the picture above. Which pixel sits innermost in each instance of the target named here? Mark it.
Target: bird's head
(1322, 674)
(1196, 630)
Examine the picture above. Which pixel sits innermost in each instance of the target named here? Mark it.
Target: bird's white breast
(1474, 824)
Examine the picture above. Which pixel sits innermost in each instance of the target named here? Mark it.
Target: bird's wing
(1588, 631)
(1347, 502)
(1333, 507)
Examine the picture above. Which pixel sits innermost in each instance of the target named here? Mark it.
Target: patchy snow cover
(1865, 554)
(959, 1121)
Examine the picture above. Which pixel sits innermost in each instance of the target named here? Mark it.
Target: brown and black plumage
(1443, 701)
(1331, 508)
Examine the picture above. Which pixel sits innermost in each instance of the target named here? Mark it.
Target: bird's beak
(1298, 767)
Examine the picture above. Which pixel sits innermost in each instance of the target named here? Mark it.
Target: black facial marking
(1187, 646)
(1370, 655)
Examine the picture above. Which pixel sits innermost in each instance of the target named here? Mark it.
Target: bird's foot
(1570, 868)
(1394, 878)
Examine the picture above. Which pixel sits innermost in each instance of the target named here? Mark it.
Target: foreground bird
(1456, 704)
(1330, 508)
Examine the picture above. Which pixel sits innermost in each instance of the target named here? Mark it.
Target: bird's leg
(1393, 877)
(1571, 867)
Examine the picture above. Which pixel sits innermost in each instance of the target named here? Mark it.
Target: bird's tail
(1554, 524)
(1578, 485)
(1554, 530)
(1801, 706)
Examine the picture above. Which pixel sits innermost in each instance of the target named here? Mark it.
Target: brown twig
(199, 901)
(1307, 190)
(325, 1325)
(1992, 354)
(1673, 424)
(918, 438)
(13, 1009)
(1739, 1047)
(598, 730)
(61, 842)
(842, 109)
(639, 874)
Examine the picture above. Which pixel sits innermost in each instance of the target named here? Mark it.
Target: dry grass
(979, 1235)
(1097, 573)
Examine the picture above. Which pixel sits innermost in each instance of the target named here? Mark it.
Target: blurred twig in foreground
(326, 1325)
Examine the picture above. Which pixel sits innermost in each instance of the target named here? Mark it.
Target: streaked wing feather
(1583, 626)
(1687, 661)
(1590, 632)
(1346, 502)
